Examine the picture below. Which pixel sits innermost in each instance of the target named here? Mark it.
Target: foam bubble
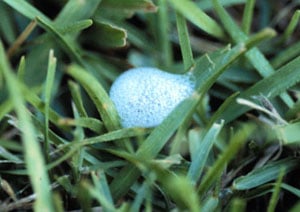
(144, 97)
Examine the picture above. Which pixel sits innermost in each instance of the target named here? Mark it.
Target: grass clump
(231, 146)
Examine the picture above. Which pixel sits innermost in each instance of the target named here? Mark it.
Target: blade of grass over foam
(271, 87)
(48, 94)
(236, 142)
(255, 57)
(33, 158)
(184, 40)
(195, 15)
(200, 149)
(206, 73)
(248, 15)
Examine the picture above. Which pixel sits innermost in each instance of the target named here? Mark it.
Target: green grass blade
(295, 208)
(76, 26)
(292, 189)
(270, 87)
(102, 101)
(275, 195)
(178, 187)
(163, 37)
(48, 94)
(194, 14)
(257, 59)
(208, 5)
(74, 11)
(184, 41)
(238, 205)
(264, 174)
(292, 26)
(26, 9)
(101, 186)
(6, 26)
(290, 134)
(237, 141)
(76, 96)
(66, 43)
(200, 151)
(248, 15)
(21, 69)
(286, 55)
(33, 158)
(86, 122)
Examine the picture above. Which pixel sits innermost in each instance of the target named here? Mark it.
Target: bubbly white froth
(144, 97)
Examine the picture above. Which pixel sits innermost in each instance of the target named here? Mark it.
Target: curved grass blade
(194, 14)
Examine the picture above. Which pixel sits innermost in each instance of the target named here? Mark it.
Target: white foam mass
(144, 97)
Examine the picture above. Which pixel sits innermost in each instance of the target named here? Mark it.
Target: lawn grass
(231, 146)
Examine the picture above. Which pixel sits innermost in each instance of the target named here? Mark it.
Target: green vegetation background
(231, 146)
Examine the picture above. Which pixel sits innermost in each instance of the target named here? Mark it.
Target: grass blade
(275, 195)
(102, 101)
(184, 41)
(264, 174)
(33, 157)
(247, 16)
(257, 59)
(48, 89)
(194, 14)
(201, 151)
(234, 146)
(270, 87)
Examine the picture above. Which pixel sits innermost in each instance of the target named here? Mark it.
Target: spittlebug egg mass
(144, 97)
